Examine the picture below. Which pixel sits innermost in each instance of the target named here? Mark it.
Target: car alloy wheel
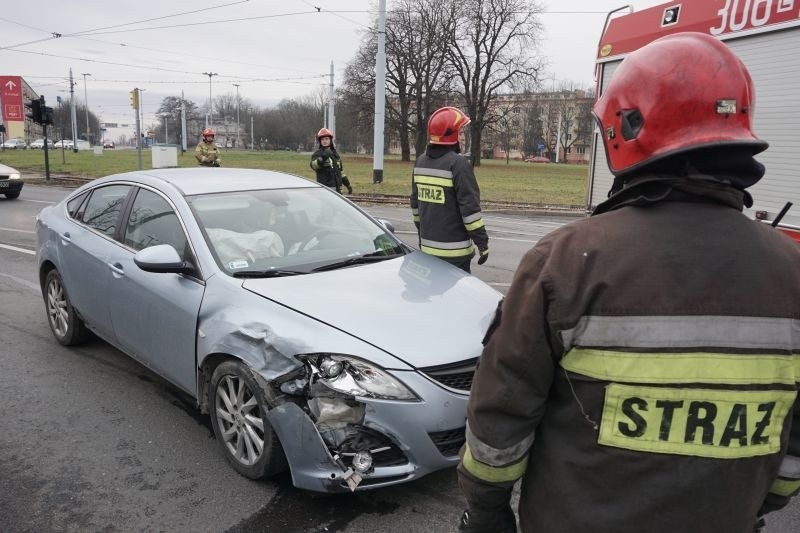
(239, 405)
(239, 418)
(66, 325)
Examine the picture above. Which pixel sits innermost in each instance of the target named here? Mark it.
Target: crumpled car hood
(414, 307)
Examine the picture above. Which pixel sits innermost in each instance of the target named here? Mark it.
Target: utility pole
(210, 118)
(380, 96)
(252, 136)
(238, 139)
(72, 113)
(183, 123)
(135, 104)
(86, 103)
(331, 100)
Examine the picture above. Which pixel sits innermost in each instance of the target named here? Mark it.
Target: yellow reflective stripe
(720, 424)
(439, 252)
(474, 225)
(687, 367)
(785, 487)
(494, 474)
(416, 218)
(430, 180)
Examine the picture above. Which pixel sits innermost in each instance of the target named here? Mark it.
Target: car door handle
(65, 238)
(116, 268)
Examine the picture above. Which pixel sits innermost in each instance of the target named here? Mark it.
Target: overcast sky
(273, 49)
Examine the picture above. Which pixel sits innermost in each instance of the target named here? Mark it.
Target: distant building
(14, 94)
(557, 125)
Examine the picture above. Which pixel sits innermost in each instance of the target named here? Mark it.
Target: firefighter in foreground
(642, 372)
(445, 198)
(207, 152)
(327, 163)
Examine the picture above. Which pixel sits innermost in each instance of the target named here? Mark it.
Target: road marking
(22, 282)
(18, 230)
(37, 201)
(15, 249)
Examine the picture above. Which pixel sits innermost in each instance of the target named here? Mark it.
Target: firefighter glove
(320, 161)
(327, 152)
(484, 256)
(488, 521)
(215, 163)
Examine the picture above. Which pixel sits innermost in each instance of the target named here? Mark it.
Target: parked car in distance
(65, 143)
(13, 144)
(38, 144)
(537, 159)
(108, 144)
(314, 338)
(10, 182)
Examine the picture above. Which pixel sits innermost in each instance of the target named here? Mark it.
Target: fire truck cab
(765, 34)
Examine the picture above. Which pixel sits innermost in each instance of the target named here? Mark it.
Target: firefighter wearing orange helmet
(207, 151)
(327, 163)
(642, 372)
(445, 197)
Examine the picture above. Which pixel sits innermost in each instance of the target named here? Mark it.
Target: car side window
(75, 203)
(153, 221)
(103, 208)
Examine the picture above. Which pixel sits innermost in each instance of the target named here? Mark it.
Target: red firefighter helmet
(444, 125)
(679, 93)
(324, 132)
(208, 132)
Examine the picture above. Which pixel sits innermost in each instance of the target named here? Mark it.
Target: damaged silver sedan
(316, 340)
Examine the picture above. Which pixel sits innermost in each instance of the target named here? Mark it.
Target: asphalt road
(93, 441)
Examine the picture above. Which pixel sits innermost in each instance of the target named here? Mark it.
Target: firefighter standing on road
(445, 198)
(207, 152)
(327, 163)
(642, 372)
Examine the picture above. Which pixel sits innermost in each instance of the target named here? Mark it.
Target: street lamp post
(86, 102)
(238, 140)
(210, 106)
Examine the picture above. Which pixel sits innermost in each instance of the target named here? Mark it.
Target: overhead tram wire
(55, 35)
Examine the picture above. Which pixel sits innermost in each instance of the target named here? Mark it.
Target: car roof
(200, 180)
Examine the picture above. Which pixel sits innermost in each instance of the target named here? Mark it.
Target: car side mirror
(162, 259)
(386, 224)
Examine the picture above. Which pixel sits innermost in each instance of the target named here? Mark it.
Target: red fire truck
(765, 34)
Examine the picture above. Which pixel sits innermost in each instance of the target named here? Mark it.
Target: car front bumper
(427, 432)
(10, 186)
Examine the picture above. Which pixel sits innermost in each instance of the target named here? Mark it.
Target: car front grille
(448, 442)
(454, 375)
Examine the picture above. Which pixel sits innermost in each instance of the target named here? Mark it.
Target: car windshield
(289, 231)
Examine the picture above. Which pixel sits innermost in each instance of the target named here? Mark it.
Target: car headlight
(14, 176)
(356, 377)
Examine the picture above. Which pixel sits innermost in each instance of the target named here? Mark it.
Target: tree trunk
(475, 146)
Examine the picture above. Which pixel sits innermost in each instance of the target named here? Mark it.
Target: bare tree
(170, 110)
(417, 72)
(491, 51)
(506, 127)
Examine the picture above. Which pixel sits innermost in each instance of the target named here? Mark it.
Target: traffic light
(47, 115)
(135, 98)
(36, 110)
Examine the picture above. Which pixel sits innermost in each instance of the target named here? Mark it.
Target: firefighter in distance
(207, 151)
(327, 163)
(642, 372)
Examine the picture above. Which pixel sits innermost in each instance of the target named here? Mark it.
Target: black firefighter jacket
(329, 173)
(445, 204)
(642, 373)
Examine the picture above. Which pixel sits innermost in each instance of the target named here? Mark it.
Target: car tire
(66, 325)
(238, 405)
(12, 195)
